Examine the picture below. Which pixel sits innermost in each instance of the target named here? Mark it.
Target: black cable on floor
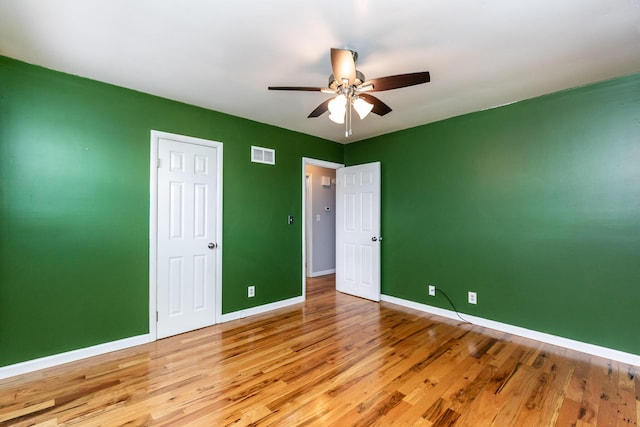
(452, 305)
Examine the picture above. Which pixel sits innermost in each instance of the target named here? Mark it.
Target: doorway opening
(318, 218)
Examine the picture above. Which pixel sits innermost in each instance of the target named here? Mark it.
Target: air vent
(263, 155)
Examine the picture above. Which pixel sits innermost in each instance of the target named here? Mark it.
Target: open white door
(358, 230)
(188, 256)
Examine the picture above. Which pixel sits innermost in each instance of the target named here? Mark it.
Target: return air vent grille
(263, 155)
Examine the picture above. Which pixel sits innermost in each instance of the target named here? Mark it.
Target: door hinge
(157, 316)
(158, 164)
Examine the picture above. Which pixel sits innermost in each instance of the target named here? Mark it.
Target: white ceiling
(222, 55)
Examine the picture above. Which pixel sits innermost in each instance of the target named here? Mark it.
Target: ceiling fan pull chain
(347, 123)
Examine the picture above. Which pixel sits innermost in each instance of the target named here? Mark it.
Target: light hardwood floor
(336, 360)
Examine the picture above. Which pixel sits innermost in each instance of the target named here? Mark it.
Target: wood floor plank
(597, 377)
(335, 360)
(626, 389)
(520, 386)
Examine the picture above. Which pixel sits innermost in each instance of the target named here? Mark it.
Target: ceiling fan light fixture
(362, 107)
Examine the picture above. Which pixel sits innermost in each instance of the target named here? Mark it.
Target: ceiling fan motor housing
(334, 84)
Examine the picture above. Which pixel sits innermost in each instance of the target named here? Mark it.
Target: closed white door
(187, 241)
(358, 230)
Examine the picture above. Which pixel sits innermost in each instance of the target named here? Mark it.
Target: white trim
(153, 234)
(308, 220)
(322, 273)
(596, 350)
(153, 222)
(72, 356)
(313, 162)
(240, 314)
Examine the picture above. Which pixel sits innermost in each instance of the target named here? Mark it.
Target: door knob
(374, 239)
(212, 245)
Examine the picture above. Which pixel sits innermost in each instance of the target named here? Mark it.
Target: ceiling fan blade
(301, 88)
(343, 65)
(320, 109)
(379, 107)
(398, 81)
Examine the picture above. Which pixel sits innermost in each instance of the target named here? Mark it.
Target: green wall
(74, 213)
(535, 206)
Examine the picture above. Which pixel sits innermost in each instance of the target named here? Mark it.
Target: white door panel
(187, 185)
(358, 230)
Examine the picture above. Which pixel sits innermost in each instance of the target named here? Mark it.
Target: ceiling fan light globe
(362, 107)
(337, 118)
(338, 104)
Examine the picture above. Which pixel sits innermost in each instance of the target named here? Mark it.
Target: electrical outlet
(432, 290)
(473, 298)
(251, 291)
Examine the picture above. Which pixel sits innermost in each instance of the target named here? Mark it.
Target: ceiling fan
(351, 89)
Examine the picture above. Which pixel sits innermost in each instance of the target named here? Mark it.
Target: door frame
(308, 221)
(312, 162)
(153, 223)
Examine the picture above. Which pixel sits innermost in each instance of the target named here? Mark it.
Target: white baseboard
(260, 309)
(71, 356)
(322, 273)
(607, 353)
